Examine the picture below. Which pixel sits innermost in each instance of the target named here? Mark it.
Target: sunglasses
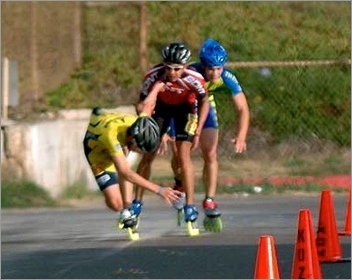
(175, 68)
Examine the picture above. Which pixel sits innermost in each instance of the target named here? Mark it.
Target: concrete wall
(49, 153)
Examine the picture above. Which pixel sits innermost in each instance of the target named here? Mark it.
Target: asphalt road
(81, 243)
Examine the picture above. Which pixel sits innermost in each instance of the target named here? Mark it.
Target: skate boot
(191, 216)
(128, 221)
(179, 204)
(136, 207)
(212, 221)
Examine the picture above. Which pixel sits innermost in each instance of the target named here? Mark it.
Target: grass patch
(268, 189)
(78, 191)
(25, 194)
(22, 194)
(250, 189)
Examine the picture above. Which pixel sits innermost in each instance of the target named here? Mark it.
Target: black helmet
(146, 133)
(176, 53)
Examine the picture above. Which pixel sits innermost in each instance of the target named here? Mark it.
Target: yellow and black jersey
(105, 137)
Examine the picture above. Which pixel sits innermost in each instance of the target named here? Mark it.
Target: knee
(114, 204)
(147, 160)
(210, 156)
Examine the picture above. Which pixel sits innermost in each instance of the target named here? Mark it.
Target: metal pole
(143, 37)
(5, 88)
(34, 51)
(77, 37)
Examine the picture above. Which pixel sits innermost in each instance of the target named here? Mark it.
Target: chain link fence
(44, 38)
(297, 108)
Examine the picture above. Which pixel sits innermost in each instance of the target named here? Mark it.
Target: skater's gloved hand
(169, 194)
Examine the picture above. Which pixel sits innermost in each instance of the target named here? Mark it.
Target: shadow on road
(156, 262)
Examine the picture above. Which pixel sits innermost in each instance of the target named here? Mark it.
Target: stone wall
(49, 153)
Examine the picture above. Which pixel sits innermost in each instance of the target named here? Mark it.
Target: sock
(178, 182)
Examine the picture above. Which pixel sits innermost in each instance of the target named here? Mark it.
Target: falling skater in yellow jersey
(108, 140)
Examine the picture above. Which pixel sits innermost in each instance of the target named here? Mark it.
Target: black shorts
(180, 114)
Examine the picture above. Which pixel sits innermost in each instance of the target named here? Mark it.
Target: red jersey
(190, 87)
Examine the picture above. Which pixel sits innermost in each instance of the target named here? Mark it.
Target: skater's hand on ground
(169, 194)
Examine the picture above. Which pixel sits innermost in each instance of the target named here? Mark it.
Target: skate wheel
(132, 234)
(138, 221)
(212, 224)
(192, 230)
(120, 225)
(179, 217)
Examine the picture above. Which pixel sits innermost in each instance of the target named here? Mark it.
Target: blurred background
(292, 60)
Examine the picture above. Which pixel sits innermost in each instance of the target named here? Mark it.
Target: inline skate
(212, 221)
(136, 207)
(129, 221)
(191, 216)
(179, 204)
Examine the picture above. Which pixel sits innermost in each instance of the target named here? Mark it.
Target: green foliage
(78, 191)
(308, 102)
(22, 194)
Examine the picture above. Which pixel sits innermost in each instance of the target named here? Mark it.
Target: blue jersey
(227, 83)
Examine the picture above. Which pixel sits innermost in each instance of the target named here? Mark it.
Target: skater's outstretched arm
(121, 164)
(240, 103)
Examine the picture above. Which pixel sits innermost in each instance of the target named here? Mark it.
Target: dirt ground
(265, 165)
(245, 167)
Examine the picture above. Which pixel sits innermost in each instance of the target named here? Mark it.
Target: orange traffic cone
(327, 240)
(347, 229)
(266, 266)
(305, 260)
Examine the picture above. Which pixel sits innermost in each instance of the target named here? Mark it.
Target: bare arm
(241, 105)
(148, 104)
(124, 169)
(202, 114)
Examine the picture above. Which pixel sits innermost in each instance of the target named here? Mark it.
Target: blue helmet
(212, 54)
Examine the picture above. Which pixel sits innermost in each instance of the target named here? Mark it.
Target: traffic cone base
(305, 260)
(347, 229)
(266, 263)
(327, 240)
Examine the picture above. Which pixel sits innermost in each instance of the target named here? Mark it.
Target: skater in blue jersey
(213, 57)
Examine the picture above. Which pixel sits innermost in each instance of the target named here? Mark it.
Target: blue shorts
(106, 179)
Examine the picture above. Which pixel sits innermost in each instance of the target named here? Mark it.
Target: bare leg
(208, 144)
(127, 192)
(187, 169)
(175, 162)
(113, 198)
(144, 169)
